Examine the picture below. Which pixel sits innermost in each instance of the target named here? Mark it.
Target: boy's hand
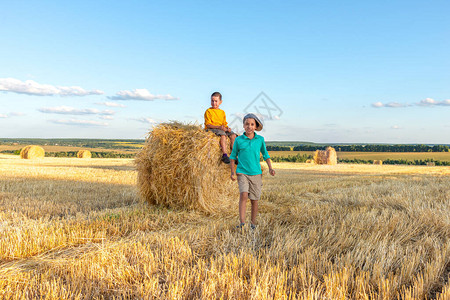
(272, 172)
(233, 176)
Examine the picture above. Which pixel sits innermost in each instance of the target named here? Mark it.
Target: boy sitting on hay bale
(216, 121)
(249, 174)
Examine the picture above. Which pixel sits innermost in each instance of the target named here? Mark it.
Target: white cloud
(395, 127)
(377, 104)
(30, 87)
(106, 117)
(111, 104)
(140, 94)
(390, 104)
(432, 102)
(396, 104)
(77, 122)
(67, 110)
(426, 102)
(12, 114)
(16, 114)
(145, 120)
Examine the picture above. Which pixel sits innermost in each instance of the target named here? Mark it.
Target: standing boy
(249, 174)
(216, 121)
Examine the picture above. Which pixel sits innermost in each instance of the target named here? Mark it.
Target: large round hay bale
(331, 156)
(84, 154)
(325, 157)
(32, 151)
(320, 157)
(180, 166)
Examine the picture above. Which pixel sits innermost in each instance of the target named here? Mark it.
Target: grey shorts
(220, 132)
(250, 184)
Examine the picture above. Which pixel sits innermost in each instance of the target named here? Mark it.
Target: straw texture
(180, 166)
(84, 154)
(31, 151)
(325, 157)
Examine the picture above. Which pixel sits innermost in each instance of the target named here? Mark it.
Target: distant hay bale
(331, 156)
(377, 162)
(180, 166)
(325, 157)
(310, 161)
(319, 157)
(84, 154)
(431, 163)
(31, 151)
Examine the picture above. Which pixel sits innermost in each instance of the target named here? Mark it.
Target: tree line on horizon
(94, 154)
(271, 146)
(83, 143)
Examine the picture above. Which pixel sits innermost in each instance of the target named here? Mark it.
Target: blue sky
(332, 71)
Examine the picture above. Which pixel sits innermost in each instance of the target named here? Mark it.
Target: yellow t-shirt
(216, 117)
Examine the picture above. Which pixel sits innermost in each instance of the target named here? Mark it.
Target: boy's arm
(225, 124)
(232, 167)
(233, 156)
(266, 157)
(264, 150)
(208, 120)
(269, 164)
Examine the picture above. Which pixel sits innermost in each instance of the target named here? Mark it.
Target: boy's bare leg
(223, 143)
(243, 197)
(254, 210)
(232, 138)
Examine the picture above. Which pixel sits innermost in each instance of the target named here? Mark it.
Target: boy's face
(249, 126)
(215, 101)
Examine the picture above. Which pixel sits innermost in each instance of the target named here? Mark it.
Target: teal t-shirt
(248, 151)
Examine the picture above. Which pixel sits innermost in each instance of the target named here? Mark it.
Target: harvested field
(74, 228)
(443, 156)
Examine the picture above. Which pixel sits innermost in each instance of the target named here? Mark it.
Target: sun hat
(259, 125)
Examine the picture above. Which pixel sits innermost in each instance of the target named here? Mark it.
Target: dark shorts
(220, 132)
